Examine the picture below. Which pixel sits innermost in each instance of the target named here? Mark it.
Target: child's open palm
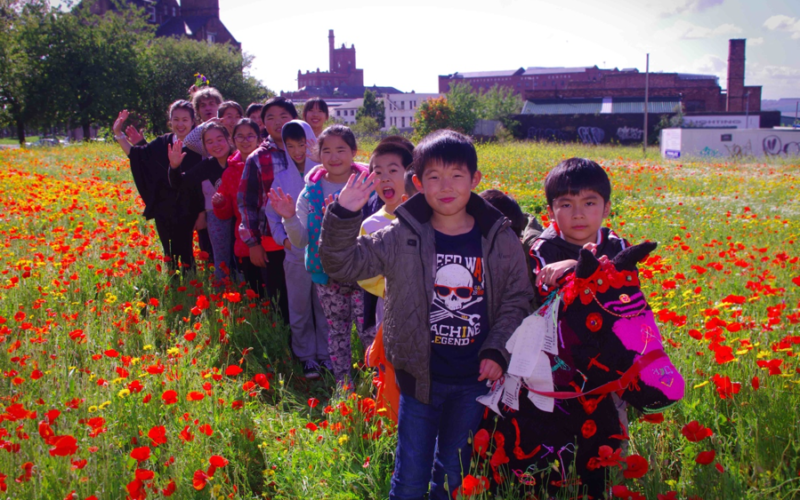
(282, 203)
(355, 193)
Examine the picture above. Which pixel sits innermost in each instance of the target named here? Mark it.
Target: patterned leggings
(343, 303)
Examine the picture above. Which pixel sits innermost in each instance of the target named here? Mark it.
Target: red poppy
(719, 467)
(170, 489)
(206, 429)
(637, 467)
(755, 383)
(63, 446)
(233, 370)
(671, 495)
(705, 457)
(144, 474)
(262, 381)
(588, 429)
(312, 426)
(186, 435)
(111, 353)
(157, 435)
(313, 402)
(696, 432)
(199, 480)
(169, 397)
(471, 485)
(480, 442)
(725, 387)
(140, 454)
(195, 396)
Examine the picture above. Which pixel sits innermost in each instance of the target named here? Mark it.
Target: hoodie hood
(311, 140)
(316, 173)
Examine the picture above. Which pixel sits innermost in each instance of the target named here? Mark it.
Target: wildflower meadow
(121, 381)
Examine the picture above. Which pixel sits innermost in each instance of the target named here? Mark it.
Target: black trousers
(270, 280)
(176, 239)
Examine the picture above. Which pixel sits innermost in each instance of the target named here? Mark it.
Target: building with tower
(342, 80)
(195, 19)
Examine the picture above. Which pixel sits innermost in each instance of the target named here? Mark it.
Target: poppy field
(120, 380)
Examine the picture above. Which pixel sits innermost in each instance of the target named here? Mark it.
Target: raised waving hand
(355, 193)
(282, 203)
(175, 153)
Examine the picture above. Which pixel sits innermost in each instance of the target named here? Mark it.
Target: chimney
(736, 60)
(330, 50)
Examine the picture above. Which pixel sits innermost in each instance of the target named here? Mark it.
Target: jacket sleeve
(194, 140)
(228, 190)
(346, 256)
(249, 201)
(296, 227)
(510, 278)
(274, 220)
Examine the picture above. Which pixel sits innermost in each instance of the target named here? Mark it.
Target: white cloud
(755, 41)
(784, 23)
(710, 64)
(684, 30)
(665, 8)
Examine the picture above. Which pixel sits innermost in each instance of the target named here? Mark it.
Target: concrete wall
(729, 143)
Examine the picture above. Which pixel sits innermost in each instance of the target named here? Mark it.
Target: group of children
(435, 277)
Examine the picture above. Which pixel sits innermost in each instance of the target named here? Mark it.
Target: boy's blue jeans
(432, 441)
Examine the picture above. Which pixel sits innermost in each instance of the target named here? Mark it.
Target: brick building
(196, 19)
(342, 72)
(697, 93)
(343, 79)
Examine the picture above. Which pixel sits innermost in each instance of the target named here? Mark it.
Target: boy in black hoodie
(578, 199)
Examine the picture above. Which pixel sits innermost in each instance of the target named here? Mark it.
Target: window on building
(211, 37)
(402, 104)
(338, 112)
(151, 11)
(403, 120)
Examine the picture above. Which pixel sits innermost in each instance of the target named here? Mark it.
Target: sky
(408, 44)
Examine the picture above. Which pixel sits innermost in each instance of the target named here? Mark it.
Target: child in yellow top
(391, 162)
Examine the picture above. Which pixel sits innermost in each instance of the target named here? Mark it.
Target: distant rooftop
(591, 106)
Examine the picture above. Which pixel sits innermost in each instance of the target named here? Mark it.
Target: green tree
(466, 106)
(500, 103)
(372, 108)
(432, 115)
(167, 71)
(23, 28)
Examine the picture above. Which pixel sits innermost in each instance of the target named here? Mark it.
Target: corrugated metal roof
(597, 106)
(554, 71)
(562, 108)
(488, 74)
(638, 107)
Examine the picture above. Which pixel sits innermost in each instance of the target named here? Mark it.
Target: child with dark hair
(578, 194)
(454, 296)
(306, 316)
(266, 254)
(253, 112)
(601, 345)
(150, 166)
(196, 189)
(342, 300)
(246, 137)
(315, 113)
(277, 112)
(390, 162)
(229, 114)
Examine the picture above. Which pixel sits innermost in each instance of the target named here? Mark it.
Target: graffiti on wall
(630, 134)
(591, 135)
(774, 146)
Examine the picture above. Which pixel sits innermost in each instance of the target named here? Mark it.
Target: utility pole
(646, 101)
